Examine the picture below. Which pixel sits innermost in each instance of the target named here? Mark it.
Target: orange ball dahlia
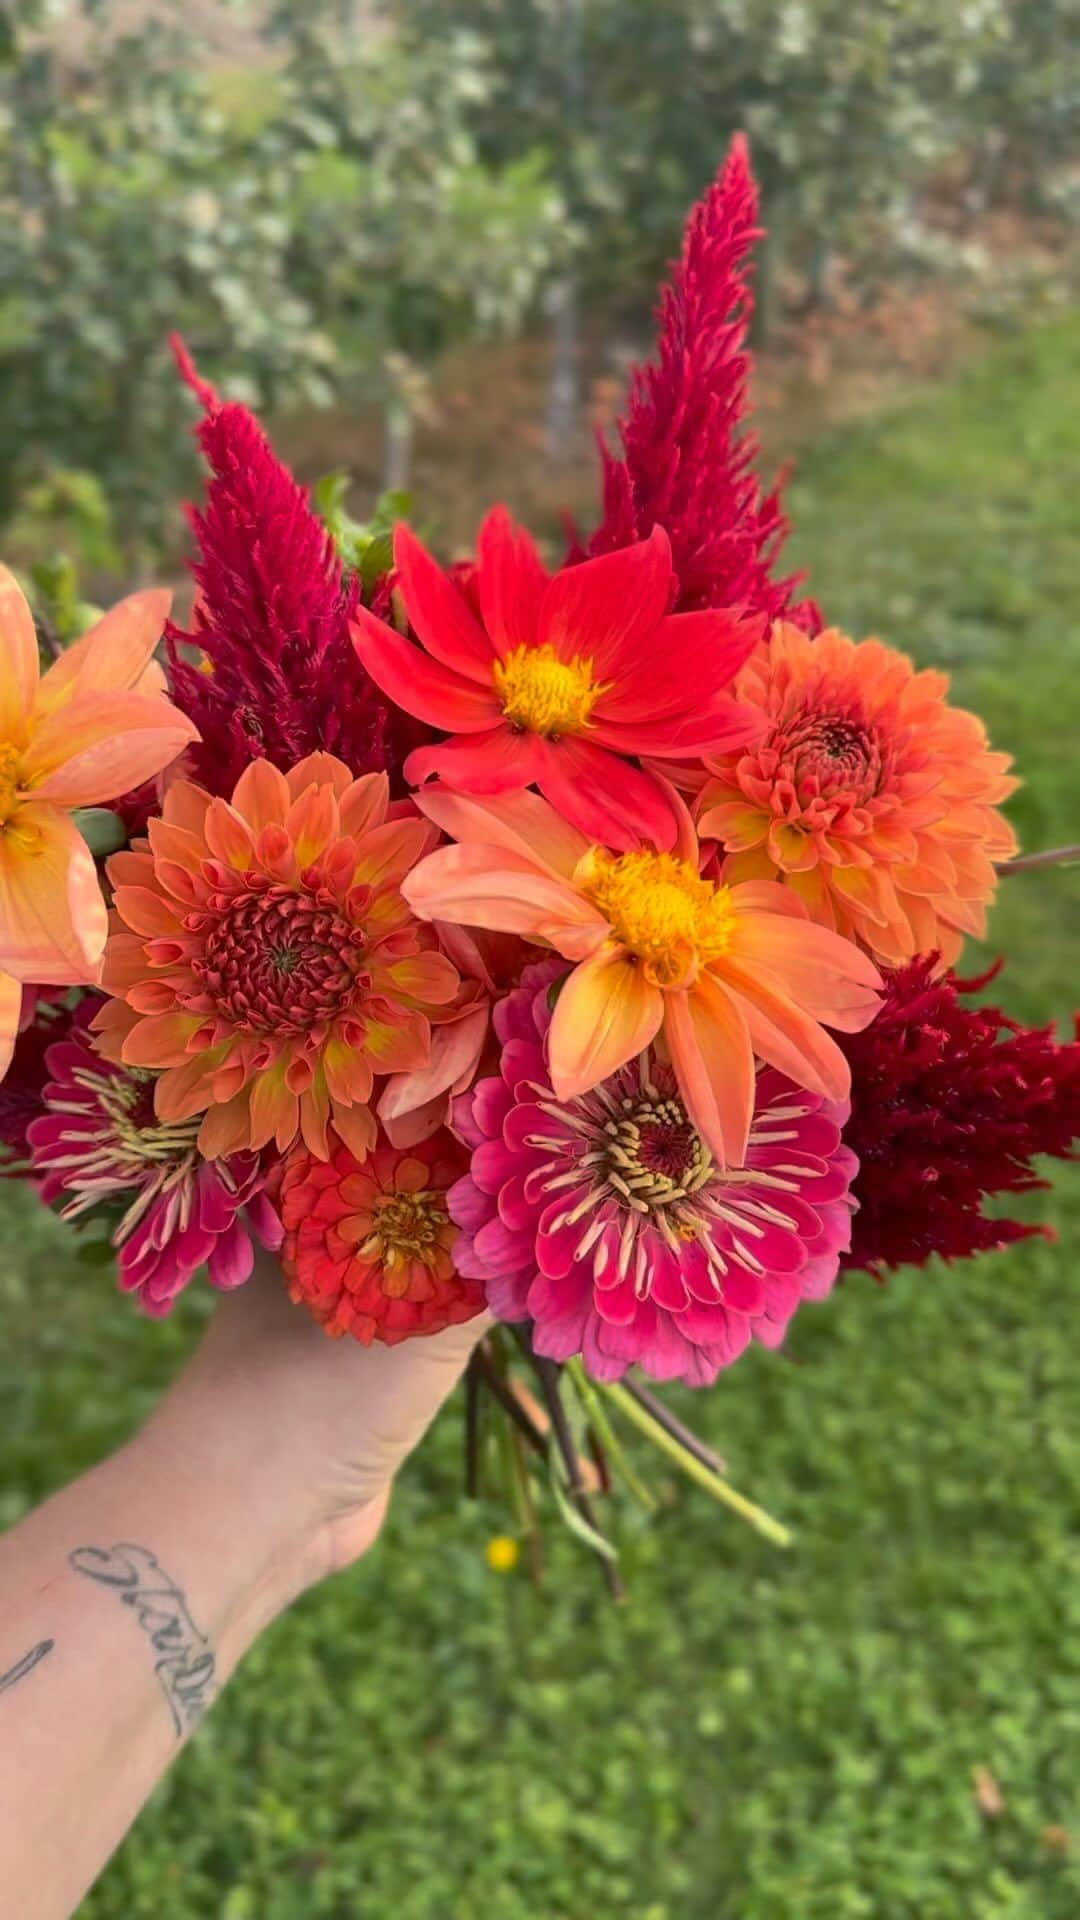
(868, 794)
(369, 1248)
(264, 962)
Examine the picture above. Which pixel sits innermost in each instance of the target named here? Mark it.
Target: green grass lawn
(756, 1735)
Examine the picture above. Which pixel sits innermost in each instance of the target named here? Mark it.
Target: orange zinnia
(868, 795)
(263, 959)
(725, 972)
(94, 726)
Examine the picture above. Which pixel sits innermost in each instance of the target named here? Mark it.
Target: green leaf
(103, 830)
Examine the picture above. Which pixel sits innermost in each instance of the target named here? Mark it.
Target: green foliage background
(755, 1736)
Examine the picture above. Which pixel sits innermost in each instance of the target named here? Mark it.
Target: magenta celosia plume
(688, 463)
(605, 1221)
(951, 1103)
(278, 675)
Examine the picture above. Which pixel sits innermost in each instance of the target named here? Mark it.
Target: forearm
(125, 1603)
(127, 1600)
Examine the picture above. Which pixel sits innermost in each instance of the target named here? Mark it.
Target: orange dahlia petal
(262, 796)
(709, 1042)
(606, 1012)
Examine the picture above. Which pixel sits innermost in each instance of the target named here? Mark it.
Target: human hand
(315, 1427)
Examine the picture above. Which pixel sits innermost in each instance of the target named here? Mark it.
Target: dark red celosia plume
(950, 1104)
(279, 675)
(688, 463)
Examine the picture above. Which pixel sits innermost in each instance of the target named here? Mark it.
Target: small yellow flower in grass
(502, 1553)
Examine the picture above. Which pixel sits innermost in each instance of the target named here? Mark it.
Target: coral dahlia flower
(369, 1249)
(99, 1143)
(560, 681)
(263, 960)
(79, 735)
(868, 795)
(724, 971)
(605, 1220)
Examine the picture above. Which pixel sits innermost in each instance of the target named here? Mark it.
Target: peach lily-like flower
(560, 681)
(723, 972)
(264, 962)
(867, 794)
(91, 728)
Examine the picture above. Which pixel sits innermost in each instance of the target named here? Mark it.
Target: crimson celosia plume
(951, 1103)
(688, 463)
(279, 676)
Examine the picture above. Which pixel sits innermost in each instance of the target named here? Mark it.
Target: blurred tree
(401, 235)
(321, 218)
(128, 206)
(849, 105)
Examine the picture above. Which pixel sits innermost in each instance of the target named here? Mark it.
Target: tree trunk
(564, 398)
(397, 446)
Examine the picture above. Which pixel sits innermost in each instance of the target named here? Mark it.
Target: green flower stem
(594, 1407)
(713, 1483)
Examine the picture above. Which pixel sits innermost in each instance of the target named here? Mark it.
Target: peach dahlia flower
(92, 727)
(868, 795)
(722, 972)
(264, 962)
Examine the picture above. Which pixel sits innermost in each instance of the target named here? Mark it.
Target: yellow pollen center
(544, 694)
(407, 1227)
(10, 758)
(661, 910)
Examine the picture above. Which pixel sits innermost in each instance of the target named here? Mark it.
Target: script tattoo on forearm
(26, 1665)
(185, 1663)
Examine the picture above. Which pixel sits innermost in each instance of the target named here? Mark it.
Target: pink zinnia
(605, 1220)
(98, 1144)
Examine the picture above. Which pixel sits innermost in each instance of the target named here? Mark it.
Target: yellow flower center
(544, 694)
(10, 758)
(661, 910)
(407, 1227)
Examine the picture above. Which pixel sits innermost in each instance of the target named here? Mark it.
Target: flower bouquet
(567, 943)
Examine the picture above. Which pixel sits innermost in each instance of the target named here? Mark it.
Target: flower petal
(262, 796)
(490, 886)
(607, 607)
(709, 726)
(492, 762)
(714, 1064)
(419, 684)
(96, 748)
(511, 578)
(11, 994)
(520, 821)
(785, 1036)
(52, 917)
(18, 658)
(438, 611)
(609, 800)
(606, 1013)
(113, 655)
(363, 806)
